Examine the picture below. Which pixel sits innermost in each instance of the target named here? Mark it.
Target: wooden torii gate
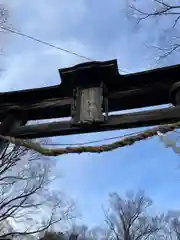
(88, 92)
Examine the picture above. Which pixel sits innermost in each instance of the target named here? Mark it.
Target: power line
(51, 45)
(90, 142)
(45, 43)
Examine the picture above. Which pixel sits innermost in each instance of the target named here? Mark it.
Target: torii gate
(88, 92)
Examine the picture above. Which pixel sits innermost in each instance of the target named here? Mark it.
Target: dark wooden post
(175, 94)
(12, 120)
(73, 236)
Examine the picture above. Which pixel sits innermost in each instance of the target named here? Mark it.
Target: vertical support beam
(12, 120)
(175, 94)
(73, 236)
(177, 97)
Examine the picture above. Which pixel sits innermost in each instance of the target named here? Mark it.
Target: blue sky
(100, 30)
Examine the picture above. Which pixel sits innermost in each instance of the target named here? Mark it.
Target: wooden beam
(44, 109)
(11, 121)
(129, 91)
(115, 122)
(60, 107)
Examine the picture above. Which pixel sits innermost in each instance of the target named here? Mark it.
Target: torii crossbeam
(88, 92)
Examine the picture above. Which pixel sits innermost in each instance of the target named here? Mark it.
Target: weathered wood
(58, 107)
(45, 109)
(175, 94)
(129, 91)
(91, 73)
(116, 122)
(88, 106)
(11, 121)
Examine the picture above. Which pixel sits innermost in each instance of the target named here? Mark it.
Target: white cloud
(85, 28)
(38, 68)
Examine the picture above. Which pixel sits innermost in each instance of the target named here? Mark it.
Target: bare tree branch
(24, 194)
(127, 219)
(160, 10)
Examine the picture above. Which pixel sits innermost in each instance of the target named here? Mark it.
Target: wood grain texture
(128, 91)
(116, 122)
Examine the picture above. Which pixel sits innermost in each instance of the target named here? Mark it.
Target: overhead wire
(50, 45)
(70, 52)
(169, 128)
(93, 141)
(44, 42)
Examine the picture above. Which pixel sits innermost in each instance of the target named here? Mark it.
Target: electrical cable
(91, 142)
(44, 42)
(50, 45)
